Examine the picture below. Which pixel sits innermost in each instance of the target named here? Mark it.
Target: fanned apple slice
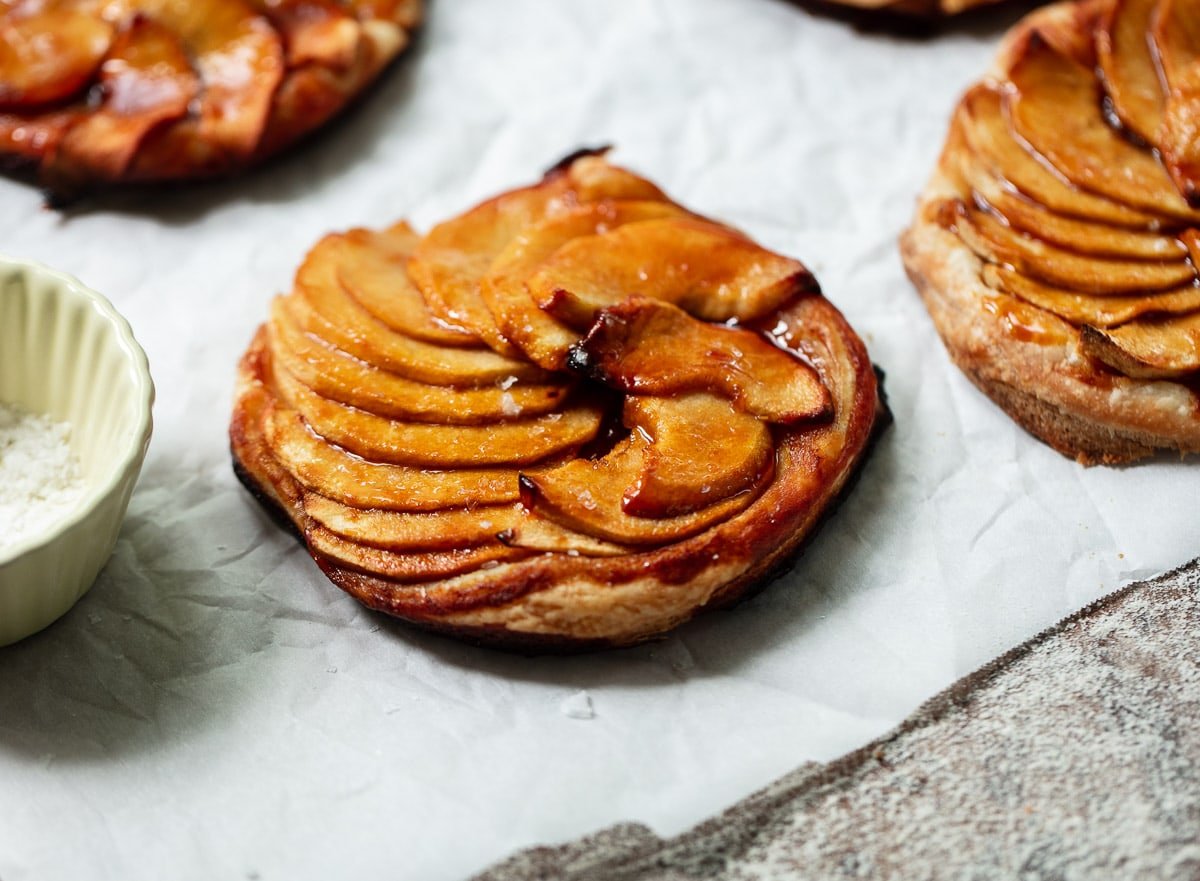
(1105, 311)
(649, 347)
(1176, 34)
(413, 530)
(996, 242)
(320, 32)
(990, 139)
(239, 56)
(535, 533)
(49, 56)
(347, 478)
(1129, 68)
(702, 450)
(542, 339)
(349, 327)
(1149, 348)
(411, 567)
(373, 268)
(451, 260)
(708, 270)
(340, 377)
(146, 80)
(586, 495)
(379, 439)
(1071, 233)
(1056, 108)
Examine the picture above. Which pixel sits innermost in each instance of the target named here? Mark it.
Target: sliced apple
(406, 13)
(343, 378)
(540, 337)
(409, 530)
(49, 56)
(411, 567)
(379, 439)
(347, 478)
(451, 260)
(318, 32)
(708, 270)
(1149, 348)
(31, 136)
(335, 316)
(587, 495)
(535, 533)
(373, 268)
(1073, 234)
(996, 242)
(1129, 68)
(648, 347)
(991, 140)
(1176, 34)
(147, 80)
(702, 450)
(1087, 309)
(239, 56)
(1056, 108)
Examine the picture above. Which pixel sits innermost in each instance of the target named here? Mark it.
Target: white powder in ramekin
(40, 483)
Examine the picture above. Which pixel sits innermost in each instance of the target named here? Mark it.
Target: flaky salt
(40, 482)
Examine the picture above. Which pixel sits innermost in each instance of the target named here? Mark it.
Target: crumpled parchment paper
(214, 708)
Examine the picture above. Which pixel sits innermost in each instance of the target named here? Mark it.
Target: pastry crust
(184, 91)
(594, 593)
(1032, 362)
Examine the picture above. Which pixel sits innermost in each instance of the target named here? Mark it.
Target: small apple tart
(1056, 244)
(572, 417)
(97, 92)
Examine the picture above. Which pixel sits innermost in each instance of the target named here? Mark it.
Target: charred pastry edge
(862, 432)
(27, 170)
(1132, 419)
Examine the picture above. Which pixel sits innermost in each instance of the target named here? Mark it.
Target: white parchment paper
(215, 709)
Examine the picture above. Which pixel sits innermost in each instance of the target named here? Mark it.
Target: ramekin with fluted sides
(65, 351)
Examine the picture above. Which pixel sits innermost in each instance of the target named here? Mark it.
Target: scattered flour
(40, 481)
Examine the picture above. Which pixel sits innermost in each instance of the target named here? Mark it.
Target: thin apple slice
(708, 270)
(648, 347)
(379, 439)
(1129, 68)
(147, 80)
(347, 478)
(535, 533)
(49, 56)
(1073, 234)
(31, 136)
(340, 377)
(452, 259)
(413, 530)
(991, 140)
(1056, 108)
(410, 567)
(239, 56)
(996, 242)
(702, 450)
(320, 32)
(348, 326)
(1176, 34)
(1149, 348)
(586, 495)
(542, 339)
(373, 268)
(1087, 309)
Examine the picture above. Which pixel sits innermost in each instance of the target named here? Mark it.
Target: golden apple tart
(571, 417)
(106, 91)
(1056, 244)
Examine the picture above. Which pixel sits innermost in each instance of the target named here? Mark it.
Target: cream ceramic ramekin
(64, 350)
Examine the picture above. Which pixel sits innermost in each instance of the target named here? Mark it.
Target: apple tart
(97, 92)
(1055, 246)
(571, 417)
